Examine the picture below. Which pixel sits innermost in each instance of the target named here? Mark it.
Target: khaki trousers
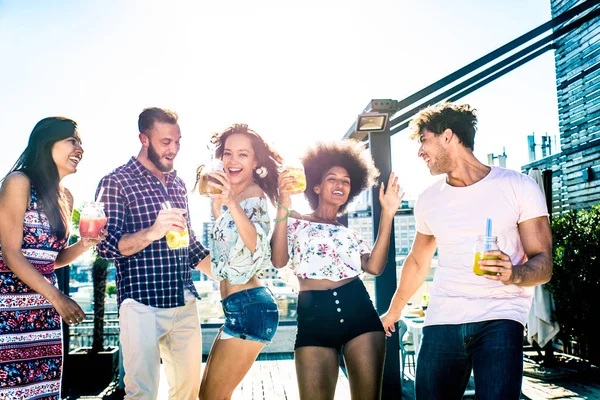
(149, 334)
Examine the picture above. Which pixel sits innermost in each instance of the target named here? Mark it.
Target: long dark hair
(265, 156)
(37, 163)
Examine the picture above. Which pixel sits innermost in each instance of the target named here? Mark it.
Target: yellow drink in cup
(293, 167)
(484, 243)
(477, 268)
(426, 299)
(298, 174)
(177, 240)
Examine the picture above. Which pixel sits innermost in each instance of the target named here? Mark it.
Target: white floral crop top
(324, 251)
(230, 258)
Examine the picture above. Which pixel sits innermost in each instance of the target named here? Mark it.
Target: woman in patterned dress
(35, 212)
(239, 249)
(335, 312)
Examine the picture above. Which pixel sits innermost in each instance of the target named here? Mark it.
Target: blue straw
(488, 227)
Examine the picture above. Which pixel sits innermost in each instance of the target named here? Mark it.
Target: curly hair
(460, 118)
(264, 155)
(348, 154)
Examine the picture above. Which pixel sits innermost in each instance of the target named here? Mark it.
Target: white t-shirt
(456, 216)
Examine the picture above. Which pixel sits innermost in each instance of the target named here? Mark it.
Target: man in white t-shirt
(474, 323)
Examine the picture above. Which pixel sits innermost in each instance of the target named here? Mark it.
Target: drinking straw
(100, 194)
(488, 232)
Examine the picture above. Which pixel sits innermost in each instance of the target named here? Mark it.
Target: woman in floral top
(35, 212)
(335, 312)
(240, 249)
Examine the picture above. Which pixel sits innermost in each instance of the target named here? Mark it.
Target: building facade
(574, 172)
(404, 226)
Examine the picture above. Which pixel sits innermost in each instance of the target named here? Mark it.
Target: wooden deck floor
(564, 388)
(273, 377)
(571, 387)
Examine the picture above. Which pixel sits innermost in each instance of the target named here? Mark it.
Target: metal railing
(82, 334)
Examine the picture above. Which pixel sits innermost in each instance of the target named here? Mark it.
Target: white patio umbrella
(540, 326)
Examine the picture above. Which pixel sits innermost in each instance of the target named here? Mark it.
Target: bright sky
(295, 72)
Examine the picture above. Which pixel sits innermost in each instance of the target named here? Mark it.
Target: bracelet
(287, 210)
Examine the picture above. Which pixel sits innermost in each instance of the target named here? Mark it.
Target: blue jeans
(493, 350)
(251, 314)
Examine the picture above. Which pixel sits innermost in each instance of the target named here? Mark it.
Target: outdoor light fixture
(371, 122)
(376, 119)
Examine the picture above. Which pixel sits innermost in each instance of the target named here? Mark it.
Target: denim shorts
(251, 314)
(332, 318)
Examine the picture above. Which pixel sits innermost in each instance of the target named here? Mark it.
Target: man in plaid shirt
(155, 293)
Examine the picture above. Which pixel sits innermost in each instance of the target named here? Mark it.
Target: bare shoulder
(15, 192)
(253, 191)
(15, 183)
(69, 197)
(295, 214)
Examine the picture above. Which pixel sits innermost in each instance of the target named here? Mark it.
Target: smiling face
(334, 187)
(434, 154)
(67, 154)
(238, 158)
(163, 142)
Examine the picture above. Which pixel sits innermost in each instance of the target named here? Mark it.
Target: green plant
(99, 273)
(74, 238)
(575, 282)
(111, 289)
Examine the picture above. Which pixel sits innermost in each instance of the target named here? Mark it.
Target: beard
(154, 157)
(441, 164)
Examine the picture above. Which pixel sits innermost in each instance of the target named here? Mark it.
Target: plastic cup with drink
(203, 177)
(483, 244)
(92, 218)
(425, 302)
(176, 240)
(293, 167)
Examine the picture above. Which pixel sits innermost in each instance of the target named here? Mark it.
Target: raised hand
(288, 186)
(390, 198)
(221, 181)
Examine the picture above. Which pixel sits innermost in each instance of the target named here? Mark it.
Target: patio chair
(407, 348)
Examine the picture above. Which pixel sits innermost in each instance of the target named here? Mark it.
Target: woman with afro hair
(335, 313)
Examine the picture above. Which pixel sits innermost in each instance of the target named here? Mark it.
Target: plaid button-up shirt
(155, 276)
